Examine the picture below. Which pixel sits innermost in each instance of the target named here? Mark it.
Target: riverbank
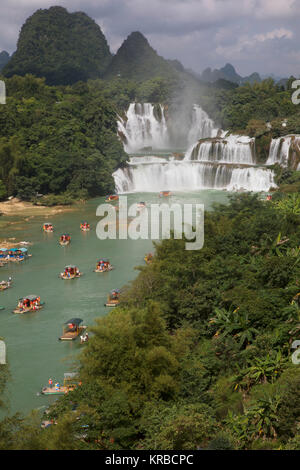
(16, 207)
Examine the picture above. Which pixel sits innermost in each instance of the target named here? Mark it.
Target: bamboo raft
(72, 329)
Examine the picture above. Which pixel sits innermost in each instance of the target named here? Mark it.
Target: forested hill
(57, 140)
(63, 47)
(4, 58)
(136, 59)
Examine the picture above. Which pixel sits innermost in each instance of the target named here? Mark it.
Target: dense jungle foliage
(57, 140)
(199, 352)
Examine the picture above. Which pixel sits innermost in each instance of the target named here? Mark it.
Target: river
(34, 353)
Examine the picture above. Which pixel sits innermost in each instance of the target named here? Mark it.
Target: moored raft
(70, 272)
(103, 265)
(113, 298)
(31, 303)
(72, 329)
(71, 381)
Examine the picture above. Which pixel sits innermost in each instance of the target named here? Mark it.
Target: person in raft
(50, 383)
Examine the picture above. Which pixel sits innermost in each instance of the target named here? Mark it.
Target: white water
(185, 175)
(227, 162)
(279, 149)
(202, 126)
(232, 149)
(141, 128)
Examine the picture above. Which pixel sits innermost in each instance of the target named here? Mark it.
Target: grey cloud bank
(254, 35)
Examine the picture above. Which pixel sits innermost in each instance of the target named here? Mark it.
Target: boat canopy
(30, 297)
(71, 266)
(2, 352)
(65, 235)
(3, 249)
(24, 250)
(74, 321)
(70, 375)
(48, 223)
(103, 260)
(14, 249)
(115, 291)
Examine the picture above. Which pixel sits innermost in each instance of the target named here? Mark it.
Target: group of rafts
(73, 328)
(33, 302)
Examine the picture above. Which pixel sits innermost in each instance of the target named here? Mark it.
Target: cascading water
(202, 126)
(144, 126)
(184, 175)
(232, 149)
(280, 149)
(217, 161)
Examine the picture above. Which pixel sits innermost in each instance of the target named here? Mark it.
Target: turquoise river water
(34, 353)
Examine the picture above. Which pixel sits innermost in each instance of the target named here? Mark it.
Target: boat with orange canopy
(112, 197)
(31, 303)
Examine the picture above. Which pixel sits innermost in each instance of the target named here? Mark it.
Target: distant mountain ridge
(68, 47)
(229, 73)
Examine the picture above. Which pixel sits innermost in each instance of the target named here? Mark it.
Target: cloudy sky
(253, 35)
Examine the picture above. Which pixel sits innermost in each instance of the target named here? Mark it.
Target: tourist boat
(85, 227)
(48, 227)
(70, 383)
(103, 265)
(164, 193)
(3, 253)
(17, 254)
(31, 303)
(5, 284)
(64, 239)
(112, 197)
(72, 329)
(113, 298)
(70, 272)
(148, 258)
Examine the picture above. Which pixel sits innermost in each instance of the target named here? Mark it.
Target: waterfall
(202, 126)
(280, 149)
(187, 175)
(232, 149)
(215, 159)
(144, 126)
